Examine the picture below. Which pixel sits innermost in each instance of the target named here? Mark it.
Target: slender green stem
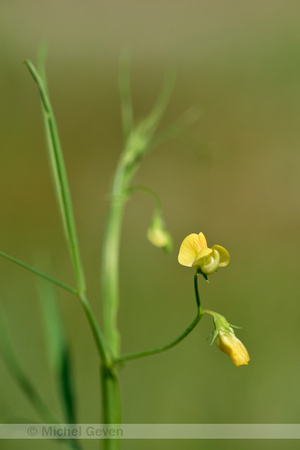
(197, 290)
(111, 399)
(137, 141)
(211, 313)
(110, 259)
(111, 240)
(171, 344)
(162, 348)
(98, 336)
(110, 275)
(149, 191)
(111, 395)
(111, 403)
(39, 273)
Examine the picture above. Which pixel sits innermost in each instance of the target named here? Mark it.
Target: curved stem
(171, 344)
(162, 348)
(149, 191)
(211, 313)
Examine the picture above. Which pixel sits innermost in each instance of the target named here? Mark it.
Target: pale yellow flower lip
(194, 252)
(233, 347)
(224, 255)
(207, 260)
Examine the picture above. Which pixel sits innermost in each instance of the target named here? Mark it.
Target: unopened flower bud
(158, 235)
(227, 341)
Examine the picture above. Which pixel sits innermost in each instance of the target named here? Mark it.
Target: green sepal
(209, 335)
(204, 276)
(235, 326)
(215, 334)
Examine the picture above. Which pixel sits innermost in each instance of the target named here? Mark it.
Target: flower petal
(189, 249)
(202, 241)
(233, 347)
(203, 253)
(224, 255)
(207, 260)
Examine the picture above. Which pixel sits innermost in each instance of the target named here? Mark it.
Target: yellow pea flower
(227, 341)
(194, 252)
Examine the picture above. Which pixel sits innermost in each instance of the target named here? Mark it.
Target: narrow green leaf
(67, 386)
(11, 360)
(59, 176)
(53, 324)
(151, 122)
(39, 273)
(58, 350)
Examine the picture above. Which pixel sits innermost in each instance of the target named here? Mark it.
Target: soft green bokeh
(241, 63)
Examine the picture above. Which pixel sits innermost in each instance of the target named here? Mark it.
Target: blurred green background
(240, 61)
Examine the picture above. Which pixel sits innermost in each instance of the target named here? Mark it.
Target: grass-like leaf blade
(58, 349)
(59, 176)
(14, 366)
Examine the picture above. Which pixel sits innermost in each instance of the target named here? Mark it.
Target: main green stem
(110, 262)
(111, 399)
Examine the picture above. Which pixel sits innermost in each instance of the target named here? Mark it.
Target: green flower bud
(158, 235)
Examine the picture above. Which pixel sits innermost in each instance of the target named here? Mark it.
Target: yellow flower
(227, 341)
(195, 253)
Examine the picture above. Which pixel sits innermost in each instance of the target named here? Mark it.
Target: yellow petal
(189, 249)
(202, 240)
(224, 255)
(207, 260)
(233, 347)
(203, 253)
